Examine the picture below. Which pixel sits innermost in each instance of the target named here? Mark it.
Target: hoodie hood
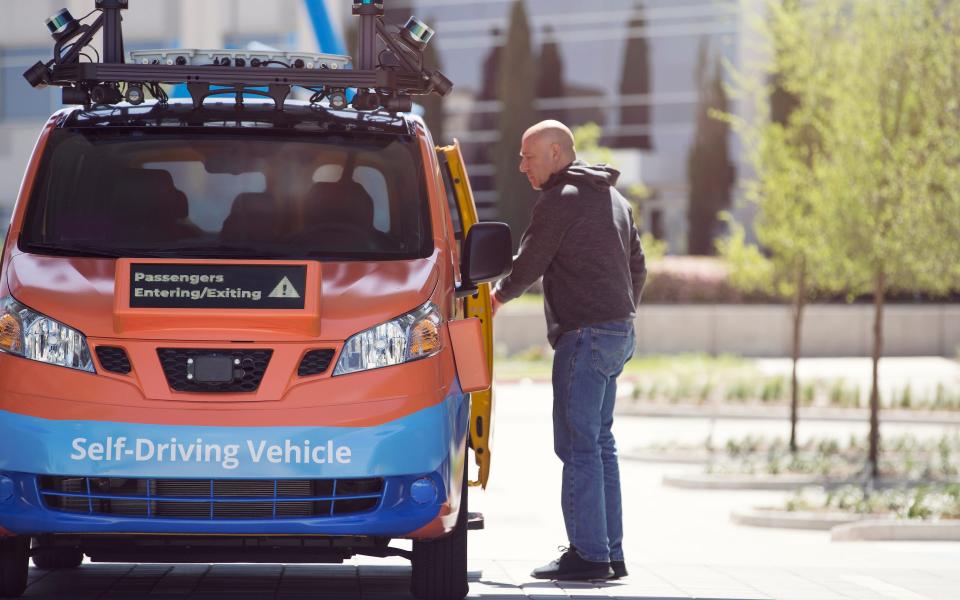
(599, 177)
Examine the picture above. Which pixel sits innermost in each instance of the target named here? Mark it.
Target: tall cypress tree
(482, 120)
(433, 104)
(635, 81)
(782, 102)
(516, 90)
(709, 170)
(550, 82)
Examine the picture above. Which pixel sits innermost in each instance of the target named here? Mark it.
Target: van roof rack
(390, 67)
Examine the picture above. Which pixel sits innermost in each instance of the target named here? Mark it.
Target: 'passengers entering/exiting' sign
(217, 286)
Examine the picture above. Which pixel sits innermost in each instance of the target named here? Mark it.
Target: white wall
(765, 330)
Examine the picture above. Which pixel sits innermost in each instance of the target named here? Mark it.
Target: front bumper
(395, 515)
(428, 443)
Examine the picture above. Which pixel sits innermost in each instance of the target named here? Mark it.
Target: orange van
(243, 331)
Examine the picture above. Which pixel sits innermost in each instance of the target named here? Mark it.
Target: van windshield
(243, 194)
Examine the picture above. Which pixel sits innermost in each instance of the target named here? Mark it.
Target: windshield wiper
(214, 250)
(77, 250)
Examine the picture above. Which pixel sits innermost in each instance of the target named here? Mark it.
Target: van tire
(440, 566)
(14, 559)
(57, 558)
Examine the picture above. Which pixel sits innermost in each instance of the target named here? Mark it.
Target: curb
(793, 520)
(674, 458)
(783, 483)
(898, 531)
(780, 483)
(777, 413)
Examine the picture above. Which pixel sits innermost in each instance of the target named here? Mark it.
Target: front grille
(253, 364)
(113, 359)
(211, 499)
(315, 362)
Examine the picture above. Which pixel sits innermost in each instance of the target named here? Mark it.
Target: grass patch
(921, 502)
(904, 456)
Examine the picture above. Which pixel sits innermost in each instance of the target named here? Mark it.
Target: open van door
(464, 215)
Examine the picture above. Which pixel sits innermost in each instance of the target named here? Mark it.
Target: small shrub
(836, 396)
(808, 392)
(705, 392)
(740, 391)
(906, 399)
(654, 392)
(941, 399)
(772, 390)
(828, 447)
(853, 398)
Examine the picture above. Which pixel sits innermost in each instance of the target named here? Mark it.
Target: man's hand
(495, 304)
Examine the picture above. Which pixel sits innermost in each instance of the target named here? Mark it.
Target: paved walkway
(680, 544)
(498, 579)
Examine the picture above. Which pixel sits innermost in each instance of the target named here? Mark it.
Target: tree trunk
(799, 299)
(878, 295)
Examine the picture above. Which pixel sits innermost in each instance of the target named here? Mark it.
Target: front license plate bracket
(213, 368)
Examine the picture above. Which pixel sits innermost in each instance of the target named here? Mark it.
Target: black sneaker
(619, 568)
(570, 567)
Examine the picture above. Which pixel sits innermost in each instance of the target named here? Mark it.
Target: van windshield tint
(245, 194)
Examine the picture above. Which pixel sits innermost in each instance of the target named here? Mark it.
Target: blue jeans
(585, 369)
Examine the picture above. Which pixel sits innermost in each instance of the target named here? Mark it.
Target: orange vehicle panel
(357, 399)
(471, 356)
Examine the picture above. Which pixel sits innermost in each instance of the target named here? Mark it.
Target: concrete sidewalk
(493, 579)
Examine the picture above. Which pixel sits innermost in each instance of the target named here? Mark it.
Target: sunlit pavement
(680, 544)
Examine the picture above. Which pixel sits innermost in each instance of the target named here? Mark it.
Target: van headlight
(31, 335)
(412, 336)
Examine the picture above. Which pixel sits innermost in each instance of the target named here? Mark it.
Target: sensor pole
(369, 11)
(112, 29)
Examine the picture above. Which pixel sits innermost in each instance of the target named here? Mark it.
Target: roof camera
(134, 94)
(38, 75)
(338, 99)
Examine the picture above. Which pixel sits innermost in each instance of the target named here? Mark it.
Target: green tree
(516, 87)
(857, 186)
(709, 170)
(783, 147)
(891, 138)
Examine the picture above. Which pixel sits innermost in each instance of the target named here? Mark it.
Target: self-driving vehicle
(240, 327)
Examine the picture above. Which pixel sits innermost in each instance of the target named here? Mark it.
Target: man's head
(547, 148)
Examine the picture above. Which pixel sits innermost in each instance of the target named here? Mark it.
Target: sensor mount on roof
(390, 66)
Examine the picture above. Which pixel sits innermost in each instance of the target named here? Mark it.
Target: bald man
(583, 242)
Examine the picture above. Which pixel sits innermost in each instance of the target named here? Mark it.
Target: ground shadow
(281, 582)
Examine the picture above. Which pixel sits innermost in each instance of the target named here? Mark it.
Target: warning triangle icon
(284, 289)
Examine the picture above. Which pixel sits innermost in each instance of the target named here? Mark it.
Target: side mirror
(487, 256)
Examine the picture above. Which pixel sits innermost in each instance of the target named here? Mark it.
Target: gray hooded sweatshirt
(583, 242)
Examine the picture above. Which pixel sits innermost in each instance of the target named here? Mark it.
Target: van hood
(82, 293)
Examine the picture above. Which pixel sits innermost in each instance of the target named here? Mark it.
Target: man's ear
(555, 152)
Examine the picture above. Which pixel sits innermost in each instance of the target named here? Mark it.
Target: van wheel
(57, 558)
(14, 559)
(440, 566)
